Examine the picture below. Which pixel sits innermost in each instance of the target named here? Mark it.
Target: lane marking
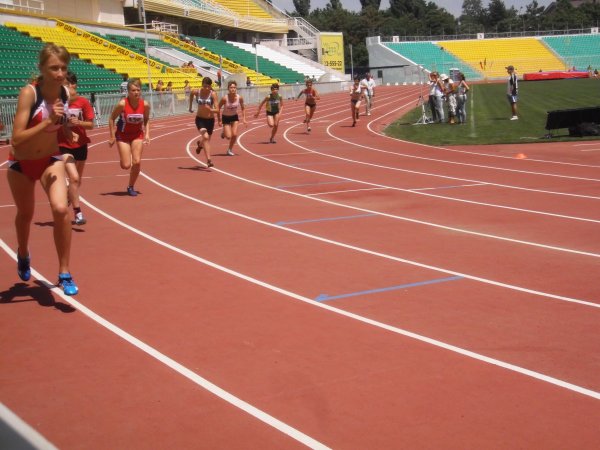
(164, 359)
(23, 436)
(323, 219)
(348, 190)
(393, 216)
(448, 187)
(318, 183)
(363, 250)
(240, 403)
(326, 298)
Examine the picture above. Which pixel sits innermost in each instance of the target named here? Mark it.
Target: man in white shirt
(367, 88)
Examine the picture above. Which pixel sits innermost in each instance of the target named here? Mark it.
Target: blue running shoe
(131, 191)
(67, 284)
(24, 267)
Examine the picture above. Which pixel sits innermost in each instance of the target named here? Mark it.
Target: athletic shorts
(209, 124)
(33, 168)
(511, 98)
(129, 138)
(271, 113)
(79, 153)
(228, 120)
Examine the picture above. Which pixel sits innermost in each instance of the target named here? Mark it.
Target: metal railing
(166, 104)
(486, 35)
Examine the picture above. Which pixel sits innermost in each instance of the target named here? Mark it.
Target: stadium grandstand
(483, 57)
(153, 40)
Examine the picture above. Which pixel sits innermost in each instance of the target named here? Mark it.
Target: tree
(370, 3)
(302, 7)
(335, 4)
(415, 8)
(472, 12)
(495, 14)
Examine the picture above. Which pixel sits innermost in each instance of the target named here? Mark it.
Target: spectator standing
(170, 98)
(433, 76)
(461, 98)
(123, 85)
(438, 94)
(512, 91)
(367, 85)
(450, 97)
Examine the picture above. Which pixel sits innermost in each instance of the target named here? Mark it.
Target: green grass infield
(488, 114)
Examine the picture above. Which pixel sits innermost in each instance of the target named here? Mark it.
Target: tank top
(231, 108)
(310, 96)
(273, 103)
(131, 120)
(205, 101)
(40, 110)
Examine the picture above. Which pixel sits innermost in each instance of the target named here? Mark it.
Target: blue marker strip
(325, 297)
(288, 186)
(324, 219)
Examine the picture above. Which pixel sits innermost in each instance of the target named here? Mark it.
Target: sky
(452, 6)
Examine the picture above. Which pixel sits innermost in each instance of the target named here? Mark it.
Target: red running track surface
(337, 289)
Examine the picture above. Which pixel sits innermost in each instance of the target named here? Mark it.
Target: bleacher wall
(102, 11)
(388, 67)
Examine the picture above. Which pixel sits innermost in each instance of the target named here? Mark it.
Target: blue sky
(452, 6)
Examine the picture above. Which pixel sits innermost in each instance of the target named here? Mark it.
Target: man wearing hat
(512, 89)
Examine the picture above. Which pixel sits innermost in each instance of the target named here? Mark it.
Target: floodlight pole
(143, 17)
(351, 64)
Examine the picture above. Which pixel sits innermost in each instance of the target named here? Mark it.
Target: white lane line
(25, 436)
(240, 403)
(396, 217)
(360, 249)
(164, 359)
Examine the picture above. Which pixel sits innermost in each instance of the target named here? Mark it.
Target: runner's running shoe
(24, 267)
(65, 281)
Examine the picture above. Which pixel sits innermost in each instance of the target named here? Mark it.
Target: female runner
(355, 96)
(274, 109)
(80, 117)
(207, 102)
(230, 104)
(132, 131)
(310, 104)
(35, 156)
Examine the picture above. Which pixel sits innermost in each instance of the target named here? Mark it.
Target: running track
(340, 289)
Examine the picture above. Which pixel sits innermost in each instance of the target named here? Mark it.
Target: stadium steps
(433, 58)
(100, 52)
(23, 52)
(579, 51)
(493, 55)
(280, 58)
(211, 58)
(246, 8)
(248, 59)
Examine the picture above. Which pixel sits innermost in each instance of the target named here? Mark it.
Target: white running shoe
(230, 152)
(514, 118)
(79, 219)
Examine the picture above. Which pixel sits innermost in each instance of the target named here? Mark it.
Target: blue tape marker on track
(324, 219)
(325, 297)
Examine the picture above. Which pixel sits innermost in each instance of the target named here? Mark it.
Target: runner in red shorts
(131, 131)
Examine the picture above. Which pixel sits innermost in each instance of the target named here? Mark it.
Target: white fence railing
(168, 103)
